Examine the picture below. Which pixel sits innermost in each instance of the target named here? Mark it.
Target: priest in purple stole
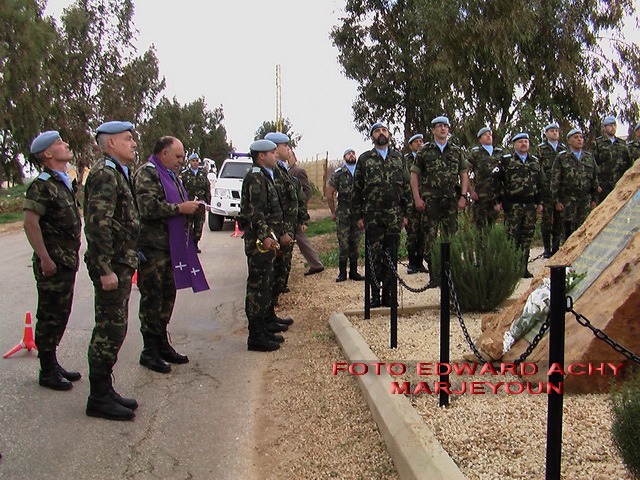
(168, 258)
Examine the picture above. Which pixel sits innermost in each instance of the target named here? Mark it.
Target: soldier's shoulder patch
(256, 170)
(541, 144)
(599, 138)
(562, 146)
(534, 157)
(110, 164)
(477, 147)
(506, 155)
(44, 176)
(497, 149)
(148, 165)
(338, 169)
(562, 152)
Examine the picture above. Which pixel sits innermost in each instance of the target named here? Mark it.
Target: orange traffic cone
(27, 339)
(237, 232)
(134, 279)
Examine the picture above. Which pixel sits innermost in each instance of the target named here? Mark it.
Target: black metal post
(556, 356)
(445, 254)
(367, 279)
(393, 294)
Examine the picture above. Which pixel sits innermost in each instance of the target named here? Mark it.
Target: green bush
(485, 266)
(625, 428)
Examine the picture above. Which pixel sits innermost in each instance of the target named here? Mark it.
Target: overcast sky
(227, 52)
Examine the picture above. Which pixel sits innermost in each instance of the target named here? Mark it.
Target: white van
(226, 191)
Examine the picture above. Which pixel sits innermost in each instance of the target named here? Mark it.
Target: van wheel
(215, 222)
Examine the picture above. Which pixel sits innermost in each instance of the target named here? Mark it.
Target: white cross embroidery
(181, 266)
(194, 271)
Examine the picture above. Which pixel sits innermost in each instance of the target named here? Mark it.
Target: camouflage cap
(44, 141)
(277, 137)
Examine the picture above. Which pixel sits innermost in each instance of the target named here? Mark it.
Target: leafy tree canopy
(286, 127)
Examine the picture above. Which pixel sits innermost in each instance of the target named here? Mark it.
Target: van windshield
(235, 170)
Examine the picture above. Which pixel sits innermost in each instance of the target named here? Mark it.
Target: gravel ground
(494, 436)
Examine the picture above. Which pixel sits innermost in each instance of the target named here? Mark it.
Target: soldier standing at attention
(348, 233)
(381, 201)
(574, 182)
(414, 232)
(634, 145)
(168, 259)
(52, 224)
(611, 156)
(262, 221)
(551, 225)
(521, 184)
(111, 227)
(483, 160)
(434, 182)
(197, 185)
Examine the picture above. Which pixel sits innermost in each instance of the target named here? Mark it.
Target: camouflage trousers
(112, 311)
(415, 235)
(55, 296)
(157, 291)
(382, 228)
(520, 223)
(349, 236)
(441, 214)
(258, 298)
(483, 213)
(197, 223)
(575, 213)
(551, 224)
(281, 270)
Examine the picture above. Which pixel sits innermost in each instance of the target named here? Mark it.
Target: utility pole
(278, 100)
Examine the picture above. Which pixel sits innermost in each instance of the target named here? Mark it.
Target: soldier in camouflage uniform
(155, 275)
(551, 225)
(261, 218)
(520, 188)
(347, 231)
(634, 145)
(574, 182)
(197, 184)
(414, 232)
(436, 192)
(381, 201)
(611, 156)
(111, 227)
(483, 159)
(52, 225)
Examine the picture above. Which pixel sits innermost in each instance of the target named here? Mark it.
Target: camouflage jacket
(634, 150)
(439, 170)
(111, 218)
(260, 209)
(518, 182)
(380, 184)
(342, 181)
(288, 188)
(482, 165)
(612, 159)
(154, 208)
(196, 184)
(547, 154)
(60, 221)
(573, 179)
(408, 162)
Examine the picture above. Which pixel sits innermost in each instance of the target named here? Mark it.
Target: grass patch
(326, 225)
(11, 217)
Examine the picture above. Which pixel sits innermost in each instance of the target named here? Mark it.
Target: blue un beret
(415, 137)
(193, 156)
(115, 127)
(552, 125)
(610, 120)
(572, 132)
(482, 131)
(376, 125)
(348, 150)
(262, 146)
(277, 137)
(520, 136)
(44, 141)
(442, 119)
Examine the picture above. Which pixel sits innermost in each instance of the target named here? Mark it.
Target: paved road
(195, 422)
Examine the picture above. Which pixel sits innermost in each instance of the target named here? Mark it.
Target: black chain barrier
(536, 340)
(536, 258)
(600, 335)
(400, 279)
(372, 270)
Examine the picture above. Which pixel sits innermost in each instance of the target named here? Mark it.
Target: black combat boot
(548, 252)
(527, 273)
(342, 275)
(150, 356)
(258, 340)
(432, 282)
(49, 375)
(353, 271)
(101, 402)
(555, 246)
(420, 264)
(167, 352)
(70, 375)
(275, 318)
(375, 297)
(412, 268)
(116, 397)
